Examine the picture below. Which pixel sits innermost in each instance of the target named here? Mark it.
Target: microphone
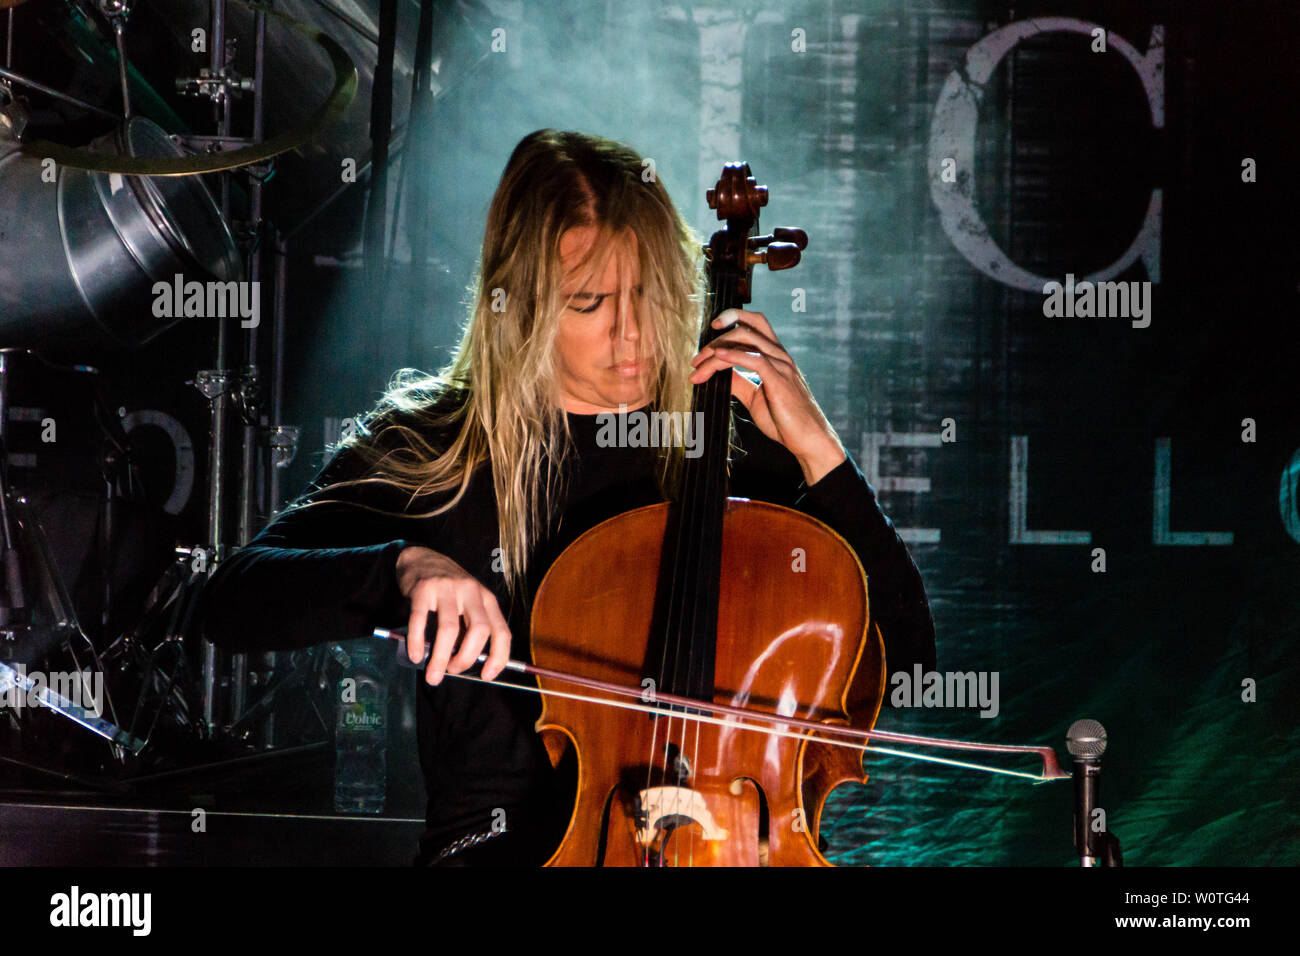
(1086, 741)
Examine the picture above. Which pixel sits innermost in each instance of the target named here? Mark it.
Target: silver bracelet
(464, 843)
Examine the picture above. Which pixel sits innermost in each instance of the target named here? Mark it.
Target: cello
(700, 600)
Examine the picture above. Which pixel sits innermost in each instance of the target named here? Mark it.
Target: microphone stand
(1086, 741)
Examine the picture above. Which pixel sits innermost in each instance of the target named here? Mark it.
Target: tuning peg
(781, 234)
(775, 255)
(788, 234)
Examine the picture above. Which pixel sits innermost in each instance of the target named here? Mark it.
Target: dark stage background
(924, 315)
(902, 331)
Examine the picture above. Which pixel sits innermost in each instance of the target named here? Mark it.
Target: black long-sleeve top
(328, 573)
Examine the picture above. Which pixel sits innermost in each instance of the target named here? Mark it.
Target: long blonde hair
(500, 393)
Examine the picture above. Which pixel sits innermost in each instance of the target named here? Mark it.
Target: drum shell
(79, 256)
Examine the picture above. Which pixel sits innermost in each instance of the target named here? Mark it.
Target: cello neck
(694, 540)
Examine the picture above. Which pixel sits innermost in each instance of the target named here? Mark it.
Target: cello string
(678, 571)
(712, 488)
(654, 735)
(706, 545)
(683, 567)
(698, 546)
(683, 570)
(719, 412)
(679, 522)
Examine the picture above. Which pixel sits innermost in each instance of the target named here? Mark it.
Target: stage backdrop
(1098, 483)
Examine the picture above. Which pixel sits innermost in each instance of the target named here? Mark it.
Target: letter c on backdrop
(952, 136)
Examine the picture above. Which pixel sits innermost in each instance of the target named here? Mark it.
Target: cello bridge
(663, 809)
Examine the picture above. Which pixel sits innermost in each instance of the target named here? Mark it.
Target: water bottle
(361, 728)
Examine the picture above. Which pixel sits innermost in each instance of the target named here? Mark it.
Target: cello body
(798, 642)
(708, 599)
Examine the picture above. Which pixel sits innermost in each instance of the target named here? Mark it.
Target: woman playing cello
(461, 489)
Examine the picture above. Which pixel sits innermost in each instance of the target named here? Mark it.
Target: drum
(80, 251)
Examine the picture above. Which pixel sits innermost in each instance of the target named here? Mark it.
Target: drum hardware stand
(284, 445)
(257, 451)
(11, 77)
(14, 611)
(216, 86)
(200, 143)
(280, 683)
(172, 603)
(117, 12)
(23, 546)
(219, 84)
(65, 624)
(216, 386)
(172, 597)
(246, 399)
(223, 387)
(283, 441)
(243, 390)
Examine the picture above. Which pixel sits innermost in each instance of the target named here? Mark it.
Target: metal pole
(220, 402)
(119, 34)
(269, 737)
(277, 355)
(42, 88)
(13, 607)
(251, 461)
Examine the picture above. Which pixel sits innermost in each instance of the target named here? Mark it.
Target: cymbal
(341, 96)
